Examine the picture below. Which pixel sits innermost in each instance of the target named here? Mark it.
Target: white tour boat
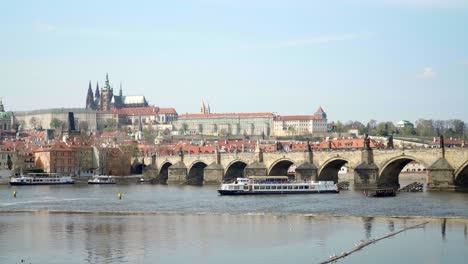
(275, 185)
(41, 179)
(101, 179)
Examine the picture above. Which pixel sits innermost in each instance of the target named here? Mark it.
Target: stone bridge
(373, 168)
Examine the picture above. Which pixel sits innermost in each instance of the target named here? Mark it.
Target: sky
(359, 59)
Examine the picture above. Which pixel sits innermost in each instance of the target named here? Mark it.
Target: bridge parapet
(388, 162)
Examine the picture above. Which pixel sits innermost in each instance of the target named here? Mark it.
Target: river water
(178, 224)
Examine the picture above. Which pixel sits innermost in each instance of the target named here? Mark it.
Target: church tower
(204, 108)
(106, 95)
(90, 98)
(96, 93)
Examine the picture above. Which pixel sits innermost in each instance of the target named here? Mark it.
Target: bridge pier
(306, 171)
(440, 176)
(366, 174)
(256, 168)
(213, 174)
(177, 173)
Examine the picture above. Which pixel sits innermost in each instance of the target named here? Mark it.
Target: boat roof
(267, 177)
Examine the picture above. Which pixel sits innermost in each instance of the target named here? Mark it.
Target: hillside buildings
(301, 124)
(249, 124)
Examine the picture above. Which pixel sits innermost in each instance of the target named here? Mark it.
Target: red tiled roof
(136, 111)
(352, 143)
(167, 111)
(298, 117)
(448, 141)
(226, 115)
(151, 110)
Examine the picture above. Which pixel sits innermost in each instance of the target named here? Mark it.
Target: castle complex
(105, 99)
(106, 111)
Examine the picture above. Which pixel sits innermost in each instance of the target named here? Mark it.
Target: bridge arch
(280, 167)
(164, 172)
(390, 171)
(461, 175)
(330, 168)
(235, 169)
(195, 175)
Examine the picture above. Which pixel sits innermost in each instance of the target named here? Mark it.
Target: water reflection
(391, 226)
(175, 238)
(443, 227)
(368, 226)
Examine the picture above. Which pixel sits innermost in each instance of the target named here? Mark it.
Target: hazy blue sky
(358, 59)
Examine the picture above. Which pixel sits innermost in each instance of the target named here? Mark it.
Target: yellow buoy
(14, 193)
(120, 196)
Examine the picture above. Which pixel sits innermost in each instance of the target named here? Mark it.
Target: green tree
(382, 129)
(111, 125)
(407, 131)
(9, 162)
(425, 128)
(371, 127)
(339, 126)
(55, 123)
(458, 126)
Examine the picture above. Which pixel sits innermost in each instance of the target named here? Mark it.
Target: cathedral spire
(107, 86)
(96, 93)
(120, 91)
(89, 97)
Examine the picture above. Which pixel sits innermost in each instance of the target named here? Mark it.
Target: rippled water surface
(190, 199)
(180, 224)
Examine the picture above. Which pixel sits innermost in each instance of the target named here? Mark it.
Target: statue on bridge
(390, 142)
(308, 147)
(366, 142)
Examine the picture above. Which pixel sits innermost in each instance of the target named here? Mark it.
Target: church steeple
(89, 97)
(2, 109)
(202, 107)
(96, 93)
(120, 90)
(107, 86)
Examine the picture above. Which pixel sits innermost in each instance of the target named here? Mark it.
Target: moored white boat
(41, 179)
(275, 185)
(102, 179)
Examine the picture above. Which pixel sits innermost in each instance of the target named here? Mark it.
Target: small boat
(275, 185)
(102, 179)
(41, 179)
(142, 180)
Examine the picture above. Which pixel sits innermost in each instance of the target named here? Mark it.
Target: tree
(382, 129)
(9, 162)
(458, 126)
(339, 126)
(407, 131)
(425, 128)
(371, 127)
(111, 125)
(55, 123)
